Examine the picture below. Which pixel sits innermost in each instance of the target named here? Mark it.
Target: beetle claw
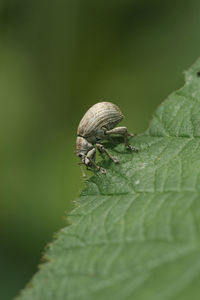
(132, 148)
(115, 160)
(131, 134)
(102, 170)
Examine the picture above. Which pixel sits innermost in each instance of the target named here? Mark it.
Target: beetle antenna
(82, 170)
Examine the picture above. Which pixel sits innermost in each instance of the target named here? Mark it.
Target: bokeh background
(57, 58)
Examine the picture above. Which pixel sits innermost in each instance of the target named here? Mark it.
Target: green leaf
(135, 233)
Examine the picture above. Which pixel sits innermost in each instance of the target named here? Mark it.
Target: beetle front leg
(103, 150)
(90, 157)
(123, 131)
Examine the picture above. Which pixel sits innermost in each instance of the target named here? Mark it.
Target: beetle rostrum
(97, 125)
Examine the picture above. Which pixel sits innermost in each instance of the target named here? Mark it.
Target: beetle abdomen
(102, 114)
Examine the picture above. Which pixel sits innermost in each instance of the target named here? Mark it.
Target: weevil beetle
(97, 125)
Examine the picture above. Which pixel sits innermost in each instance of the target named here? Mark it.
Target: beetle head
(82, 148)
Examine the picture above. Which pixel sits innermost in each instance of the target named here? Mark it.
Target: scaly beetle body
(97, 125)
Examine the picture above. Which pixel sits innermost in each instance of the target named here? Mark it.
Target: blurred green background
(57, 58)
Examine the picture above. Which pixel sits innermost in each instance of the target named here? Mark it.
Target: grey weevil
(97, 125)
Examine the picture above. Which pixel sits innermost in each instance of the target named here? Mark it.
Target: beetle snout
(86, 161)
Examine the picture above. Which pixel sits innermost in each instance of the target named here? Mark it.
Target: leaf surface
(135, 233)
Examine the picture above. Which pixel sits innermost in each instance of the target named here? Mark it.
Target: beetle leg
(102, 170)
(123, 131)
(103, 150)
(90, 157)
